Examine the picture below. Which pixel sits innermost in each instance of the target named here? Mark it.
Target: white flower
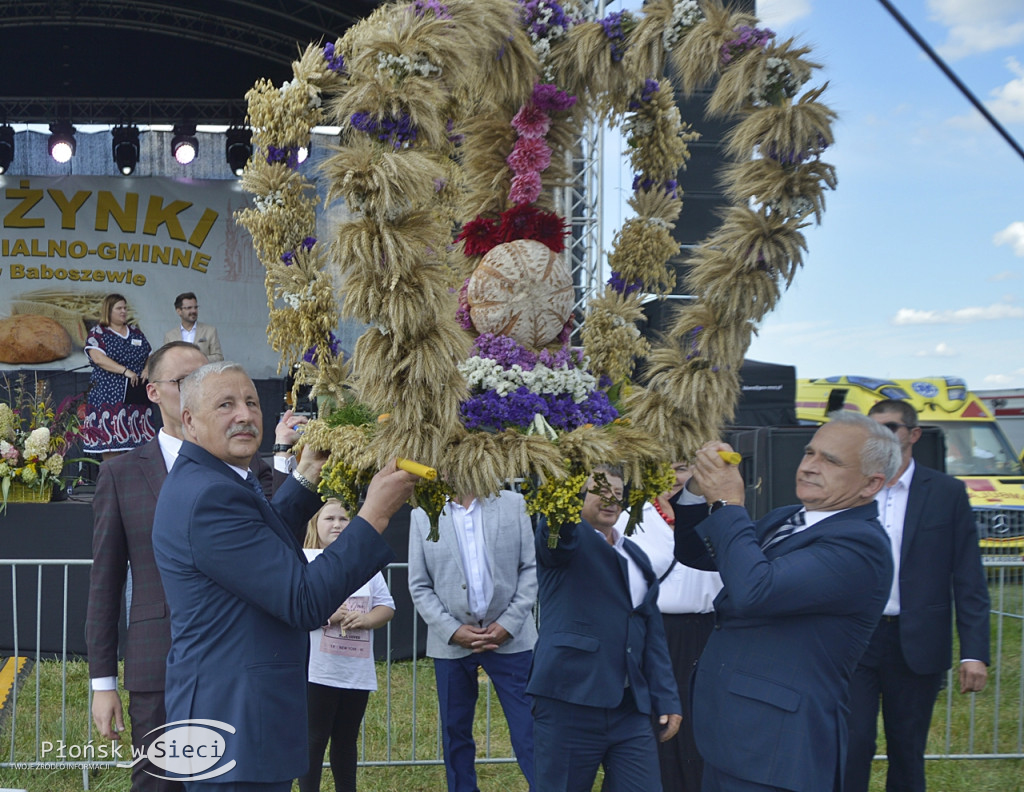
(685, 14)
(54, 464)
(5, 470)
(37, 446)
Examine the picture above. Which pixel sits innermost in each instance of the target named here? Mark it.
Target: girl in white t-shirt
(341, 669)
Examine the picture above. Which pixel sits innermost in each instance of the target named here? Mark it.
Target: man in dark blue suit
(241, 595)
(601, 669)
(935, 549)
(803, 591)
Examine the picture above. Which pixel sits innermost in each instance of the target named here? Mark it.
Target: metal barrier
(402, 724)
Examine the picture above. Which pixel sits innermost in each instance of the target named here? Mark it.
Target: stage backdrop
(69, 241)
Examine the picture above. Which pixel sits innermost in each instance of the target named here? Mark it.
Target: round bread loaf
(523, 290)
(26, 338)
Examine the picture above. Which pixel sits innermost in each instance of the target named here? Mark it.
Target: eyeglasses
(177, 382)
(894, 427)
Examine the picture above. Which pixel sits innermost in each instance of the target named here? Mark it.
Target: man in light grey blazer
(475, 588)
(195, 332)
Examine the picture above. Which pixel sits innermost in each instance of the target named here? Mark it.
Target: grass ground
(403, 714)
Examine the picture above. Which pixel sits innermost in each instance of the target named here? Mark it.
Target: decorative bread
(523, 290)
(32, 339)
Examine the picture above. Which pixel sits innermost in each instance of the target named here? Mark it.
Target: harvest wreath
(458, 123)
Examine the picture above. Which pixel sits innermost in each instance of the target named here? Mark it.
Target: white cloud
(1007, 102)
(977, 25)
(1012, 235)
(942, 349)
(1005, 275)
(779, 13)
(999, 380)
(913, 316)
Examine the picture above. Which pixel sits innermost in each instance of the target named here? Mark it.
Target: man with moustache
(803, 590)
(601, 670)
(242, 596)
(126, 493)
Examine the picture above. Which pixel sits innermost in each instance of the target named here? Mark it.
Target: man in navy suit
(242, 596)
(601, 669)
(803, 591)
(935, 549)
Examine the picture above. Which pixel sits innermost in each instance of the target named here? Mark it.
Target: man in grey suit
(475, 588)
(192, 330)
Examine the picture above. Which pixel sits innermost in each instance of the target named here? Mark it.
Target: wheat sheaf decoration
(457, 121)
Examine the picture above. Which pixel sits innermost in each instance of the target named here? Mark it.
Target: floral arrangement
(34, 437)
(463, 115)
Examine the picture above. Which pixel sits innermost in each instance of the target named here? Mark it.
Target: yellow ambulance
(977, 451)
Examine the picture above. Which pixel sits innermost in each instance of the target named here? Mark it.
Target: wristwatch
(279, 447)
(716, 505)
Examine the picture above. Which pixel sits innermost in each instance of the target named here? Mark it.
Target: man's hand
(716, 479)
(388, 490)
(670, 725)
(287, 430)
(107, 713)
(973, 676)
(476, 639)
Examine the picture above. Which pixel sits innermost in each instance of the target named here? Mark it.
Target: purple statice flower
(642, 184)
(613, 29)
(335, 61)
(604, 382)
(397, 131)
(672, 188)
(286, 154)
(747, 38)
(420, 7)
(288, 257)
(650, 88)
(551, 98)
(308, 242)
(332, 341)
(488, 410)
(565, 357)
(462, 315)
(505, 351)
(616, 282)
(540, 17)
(564, 414)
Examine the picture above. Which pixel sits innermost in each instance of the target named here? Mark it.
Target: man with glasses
(123, 508)
(192, 330)
(937, 565)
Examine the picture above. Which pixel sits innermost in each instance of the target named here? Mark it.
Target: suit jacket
(939, 554)
(437, 580)
(126, 493)
(591, 638)
(243, 599)
(770, 690)
(206, 340)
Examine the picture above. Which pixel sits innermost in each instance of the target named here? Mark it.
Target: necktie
(787, 528)
(254, 482)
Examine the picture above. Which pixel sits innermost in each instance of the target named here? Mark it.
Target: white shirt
(469, 532)
(188, 335)
(637, 581)
(892, 512)
(684, 590)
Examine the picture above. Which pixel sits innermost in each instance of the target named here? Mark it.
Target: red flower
(480, 235)
(531, 121)
(525, 188)
(529, 154)
(528, 222)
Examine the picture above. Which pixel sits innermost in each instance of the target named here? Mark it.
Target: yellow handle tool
(731, 457)
(416, 468)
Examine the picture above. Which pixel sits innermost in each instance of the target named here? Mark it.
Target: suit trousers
(907, 703)
(714, 780)
(146, 711)
(457, 690)
(573, 740)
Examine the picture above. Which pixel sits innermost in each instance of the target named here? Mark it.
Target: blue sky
(918, 266)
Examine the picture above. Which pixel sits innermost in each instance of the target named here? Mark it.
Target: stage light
(6, 147)
(125, 148)
(62, 143)
(184, 145)
(238, 148)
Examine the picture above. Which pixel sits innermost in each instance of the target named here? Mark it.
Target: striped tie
(787, 528)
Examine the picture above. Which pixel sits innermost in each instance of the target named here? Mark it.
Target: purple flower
(287, 154)
(505, 351)
(397, 131)
(552, 99)
(615, 27)
(333, 342)
(747, 38)
(335, 61)
(420, 7)
(616, 282)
